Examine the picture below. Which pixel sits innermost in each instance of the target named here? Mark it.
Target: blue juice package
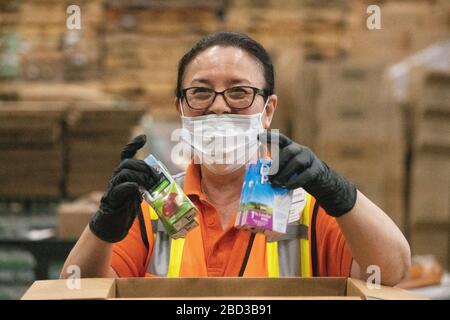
(263, 207)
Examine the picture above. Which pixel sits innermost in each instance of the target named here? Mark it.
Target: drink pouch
(175, 210)
(263, 207)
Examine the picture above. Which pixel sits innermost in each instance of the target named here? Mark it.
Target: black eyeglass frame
(262, 92)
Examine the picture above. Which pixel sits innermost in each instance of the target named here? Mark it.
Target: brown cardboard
(214, 288)
(355, 287)
(59, 289)
(432, 236)
(71, 222)
(72, 218)
(430, 198)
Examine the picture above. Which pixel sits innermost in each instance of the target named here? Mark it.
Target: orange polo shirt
(223, 249)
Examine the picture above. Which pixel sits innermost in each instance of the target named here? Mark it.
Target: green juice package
(175, 210)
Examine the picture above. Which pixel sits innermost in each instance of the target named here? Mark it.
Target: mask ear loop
(262, 149)
(262, 112)
(181, 107)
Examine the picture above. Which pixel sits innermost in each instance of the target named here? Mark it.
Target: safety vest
(289, 256)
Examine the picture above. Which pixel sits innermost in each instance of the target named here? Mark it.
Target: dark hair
(229, 39)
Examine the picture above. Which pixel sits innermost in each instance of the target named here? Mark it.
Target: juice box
(175, 210)
(263, 207)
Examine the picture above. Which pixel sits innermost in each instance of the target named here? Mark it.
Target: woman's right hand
(122, 200)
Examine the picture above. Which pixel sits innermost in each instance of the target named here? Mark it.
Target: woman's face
(220, 68)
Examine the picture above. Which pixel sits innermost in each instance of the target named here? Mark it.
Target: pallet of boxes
(95, 136)
(31, 149)
(145, 40)
(359, 135)
(318, 27)
(430, 170)
(52, 52)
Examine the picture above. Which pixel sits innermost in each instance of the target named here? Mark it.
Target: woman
(227, 81)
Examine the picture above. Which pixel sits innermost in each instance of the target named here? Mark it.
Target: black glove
(299, 167)
(122, 200)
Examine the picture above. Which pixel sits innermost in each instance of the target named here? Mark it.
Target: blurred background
(374, 104)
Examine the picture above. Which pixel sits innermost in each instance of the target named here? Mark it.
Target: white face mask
(223, 143)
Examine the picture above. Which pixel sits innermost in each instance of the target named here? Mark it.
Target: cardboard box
(430, 195)
(84, 182)
(44, 187)
(318, 29)
(297, 96)
(31, 172)
(407, 27)
(72, 218)
(216, 288)
(431, 236)
(428, 101)
(433, 132)
(31, 149)
(96, 134)
(436, 91)
(163, 19)
(375, 168)
(431, 112)
(26, 123)
(351, 91)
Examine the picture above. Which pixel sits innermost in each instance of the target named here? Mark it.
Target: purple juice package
(263, 207)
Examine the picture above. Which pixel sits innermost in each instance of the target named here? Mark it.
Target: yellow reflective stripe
(305, 269)
(153, 214)
(176, 254)
(272, 259)
(305, 215)
(176, 250)
(305, 258)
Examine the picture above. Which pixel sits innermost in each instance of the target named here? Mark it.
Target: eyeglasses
(201, 98)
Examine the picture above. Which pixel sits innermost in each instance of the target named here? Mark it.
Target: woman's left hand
(299, 167)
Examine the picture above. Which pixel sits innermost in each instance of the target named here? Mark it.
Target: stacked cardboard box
(51, 147)
(406, 27)
(319, 29)
(59, 92)
(297, 85)
(359, 135)
(9, 40)
(41, 27)
(163, 18)
(423, 22)
(96, 134)
(73, 217)
(430, 180)
(144, 68)
(8, 92)
(144, 44)
(48, 49)
(31, 149)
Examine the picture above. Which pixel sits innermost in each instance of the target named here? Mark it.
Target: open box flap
(360, 288)
(61, 290)
(247, 298)
(230, 287)
(213, 288)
